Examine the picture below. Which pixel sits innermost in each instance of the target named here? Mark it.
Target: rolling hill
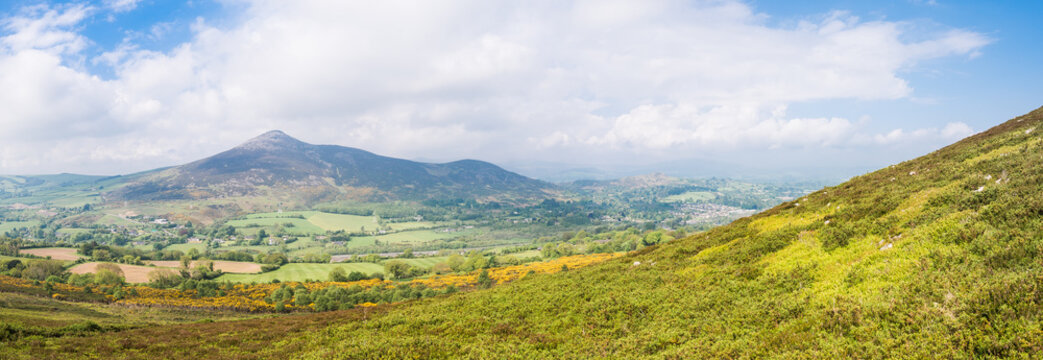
(937, 257)
(275, 163)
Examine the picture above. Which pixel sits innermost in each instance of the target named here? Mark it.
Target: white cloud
(451, 79)
(121, 5)
(950, 132)
(45, 29)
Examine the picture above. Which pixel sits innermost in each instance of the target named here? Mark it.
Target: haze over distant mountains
(275, 161)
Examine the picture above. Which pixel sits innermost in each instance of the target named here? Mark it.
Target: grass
(426, 262)
(25, 309)
(200, 247)
(11, 225)
(402, 226)
(73, 231)
(109, 219)
(246, 339)
(302, 272)
(405, 237)
(27, 314)
(300, 226)
(349, 223)
(316, 222)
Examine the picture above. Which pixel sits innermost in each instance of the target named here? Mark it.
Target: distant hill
(276, 162)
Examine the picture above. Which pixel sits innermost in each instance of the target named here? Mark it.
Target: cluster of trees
(9, 246)
(339, 298)
(34, 269)
(398, 269)
(340, 275)
(629, 239)
(104, 274)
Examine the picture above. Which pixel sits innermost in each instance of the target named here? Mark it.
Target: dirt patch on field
(226, 266)
(68, 254)
(133, 273)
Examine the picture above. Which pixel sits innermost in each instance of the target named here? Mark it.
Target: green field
(316, 222)
(299, 226)
(302, 272)
(426, 262)
(691, 196)
(401, 226)
(109, 219)
(11, 225)
(73, 231)
(349, 223)
(405, 237)
(186, 247)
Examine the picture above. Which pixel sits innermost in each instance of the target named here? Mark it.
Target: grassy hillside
(938, 257)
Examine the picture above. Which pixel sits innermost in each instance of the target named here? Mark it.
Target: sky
(552, 89)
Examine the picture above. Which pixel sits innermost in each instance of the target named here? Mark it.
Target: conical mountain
(277, 162)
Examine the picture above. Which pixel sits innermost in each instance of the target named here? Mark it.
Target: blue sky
(819, 89)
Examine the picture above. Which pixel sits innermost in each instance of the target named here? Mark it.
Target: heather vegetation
(934, 257)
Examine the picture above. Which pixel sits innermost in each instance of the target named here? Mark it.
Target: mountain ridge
(275, 160)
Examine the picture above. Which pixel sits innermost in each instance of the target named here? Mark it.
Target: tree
(484, 281)
(356, 276)
(441, 268)
(456, 262)
(42, 269)
(164, 278)
(100, 255)
(398, 269)
(108, 274)
(338, 275)
(276, 259)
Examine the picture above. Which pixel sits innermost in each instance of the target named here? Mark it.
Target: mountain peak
(271, 140)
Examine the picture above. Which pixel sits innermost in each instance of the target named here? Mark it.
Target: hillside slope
(279, 162)
(934, 257)
(938, 257)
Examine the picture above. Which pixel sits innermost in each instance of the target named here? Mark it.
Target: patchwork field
(302, 272)
(133, 273)
(68, 254)
(226, 266)
(317, 222)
